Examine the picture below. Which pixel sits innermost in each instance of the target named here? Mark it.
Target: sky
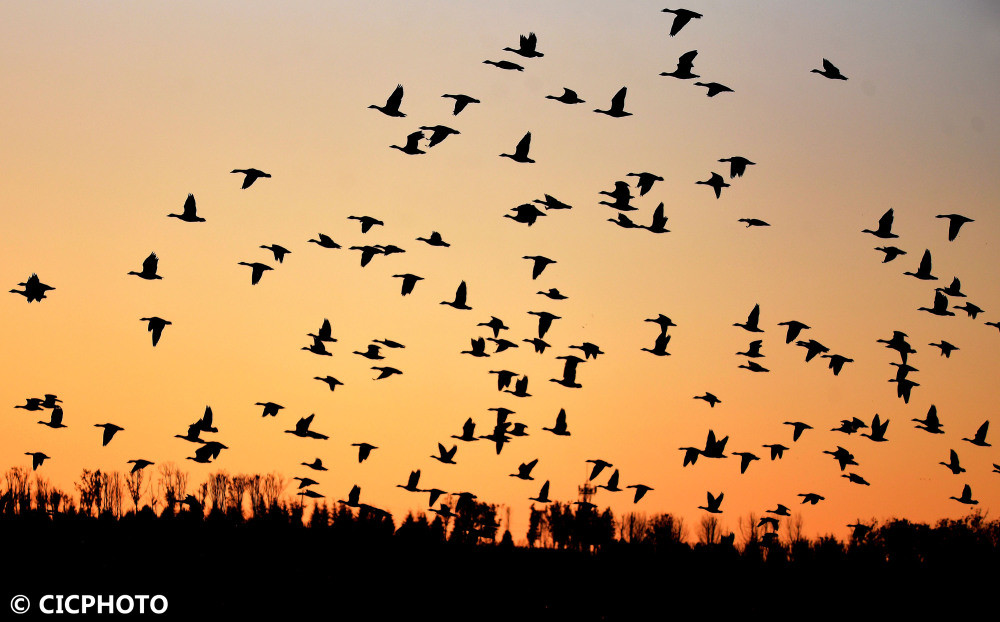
(114, 112)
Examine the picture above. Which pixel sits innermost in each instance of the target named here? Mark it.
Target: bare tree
(708, 529)
(19, 488)
(271, 487)
(795, 530)
(134, 484)
(91, 489)
(238, 486)
(42, 491)
(218, 490)
(634, 528)
(112, 493)
(174, 484)
(748, 529)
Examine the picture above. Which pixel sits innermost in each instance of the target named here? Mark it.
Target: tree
(134, 482)
(634, 528)
(709, 529)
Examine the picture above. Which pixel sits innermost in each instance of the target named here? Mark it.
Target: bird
(811, 497)
(713, 447)
(372, 353)
(520, 387)
(953, 464)
(527, 45)
(681, 18)
(945, 347)
(714, 88)
(190, 212)
(391, 107)
(208, 452)
(970, 309)
(411, 482)
(753, 318)
(710, 398)
(364, 450)
(891, 252)
(389, 343)
(495, 324)
(924, 270)
(325, 241)
(409, 281)
(624, 222)
(798, 428)
(768, 521)
(110, 430)
(34, 289)
(836, 362)
(612, 485)
(367, 253)
(193, 434)
(794, 327)
(139, 464)
(754, 222)
(155, 326)
(813, 348)
(302, 428)
(716, 182)
(590, 350)
(640, 491)
(504, 64)
(617, 108)
(270, 408)
(829, 71)
(539, 344)
(659, 221)
(884, 229)
(940, 305)
(325, 332)
(478, 348)
(438, 133)
(930, 423)
(411, 147)
(525, 213)
(330, 381)
(148, 271)
(543, 494)
(898, 343)
(539, 263)
(599, 465)
(713, 504)
(544, 321)
(684, 66)
(954, 289)
(781, 510)
(468, 431)
(745, 459)
(737, 165)
(559, 428)
(966, 497)
(205, 423)
(645, 181)
(257, 269)
(37, 458)
(842, 456)
(367, 222)
(31, 403)
(459, 301)
(252, 175)
(55, 419)
(621, 193)
(315, 465)
(385, 372)
(753, 350)
(305, 481)
(550, 202)
(955, 222)
(850, 426)
(502, 344)
(446, 456)
(979, 439)
(569, 372)
(524, 470)
(434, 240)
(461, 101)
(278, 251)
(878, 430)
(568, 96)
(856, 479)
(521, 150)
(503, 378)
(690, 455)
(662, 321)
(659, 346)
(353, 497)
(777, 450)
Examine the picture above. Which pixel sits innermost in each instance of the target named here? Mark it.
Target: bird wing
(523, 145)
(618, 101)
(396, 98)
(149, 265)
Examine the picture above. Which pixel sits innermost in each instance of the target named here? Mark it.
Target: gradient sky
(113, 112)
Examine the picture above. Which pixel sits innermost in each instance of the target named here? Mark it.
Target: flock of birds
(503, 430)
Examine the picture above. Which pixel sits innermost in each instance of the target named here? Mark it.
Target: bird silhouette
(37, 458)
(251, 175)
(568, 96)
(979, 439)
(155, 326)
(504, 64)
(315, 465)
(445, 456)
(325, 241)
(468, 431)
(543, 494)
(590, 350)
(737, 165)
(372, 353)
(385, 372)
(278, 251)
(257, 269)
(438, 133)
(659, 346)
(478, 348)
(353, 497)
(843, 457)
(434, 240)
(538, 344)
(391, 107)
(411, 482)
(891, 252)
(412, 144)
(495, 324)
(409, 281)
(55, 419)
(662, 321)
(367, 253)
(526, 46)
(270, 408)
(745, 459)
(768, 521)
(716, 182)
(754, 222)
(569, 372)
(955, 222)
(544, 321)
(503, 378)
(710, 398)
(459, 301)
(193, 434)
(640, 491)
(364, 450)
(550, 202)
(813, 348)
(690, 454)
(34, 289)
(713, 447)
(930, 423)
(559, 428)
(924, 270)
(945, 347)
(624, 222)
(753, 350)
(714, 88)
(539, 264)
(367, 222)
(148, 271)
(599, 465)
(190, 212)
(524, 470)
(612, 485)
(878, 429)
(811, 497)
(752, 321)
(461, 101)
(854, 478)
(681, 18)
(525, 213)
(501, 344)
(617, 108)
(953, 289)
(837, 362)
(884, 229)
(521, 150)
(645, 181)
(777, 450)
(520, 387)
(940, 305)
(302, 428)
(659, 221)
(966, 497)
(684, 66)
(829, 71)
(305, 481)
(798, 428)
(389, 343)
(794, 327)
(972, 310)
(953, 464)
(330, 381)
(205, 423)
(31, 403)
(713, 503)
(110, 430)
(139, 464)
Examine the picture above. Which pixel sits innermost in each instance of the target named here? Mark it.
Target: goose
(148, 271)
(753, 350)
(317, 347)
(503, 378)
(367, 222)
(498, 436)
(501, 344)
(315, 465)
(468, 431)
(940, 305)
(842, 456)
(37, 458)
(659, 221)
(539, 344)
(898, 343)
(590, 350)
(495, 324)
(777, 450)
(389, 343)
(737, 165)
(659, 346)
(31, 403)
(684, 66)
(444, 511)
(612, 485)
(325, 332)
(459, 301)
(139, 464)
(434, 240)
(521, 150)
(754, 222)
(645, 181)
(55, 419)
(979, 439)
(954, 289)
(559, 428)
(372, 353)
(409, 281)
(829, 71)
(945, 347)
(525, 213)
(190, 212)
(391, 107)
(520, 388)
(330, 381)
(903, 388)
(205, 423)
(811, 497)
(878, 430)
(544, 321)
(624, 222)
(411, 483)
(478, 348)
(969, 308)
(714, 88)
(461, 101)
(813, 348)
(953, 464)
(524, 470)
(617, 108)
(305, 481)
(312, 494)
(367, 253)
(780, 511)
(251, 175)
(681, 18)
(640, 491)
(193, 434)
(662, 321)
(599, 465)
(527, 44)
(884, 229)
(325, 241)
(270, 408)
(924, 270)
(860, 530)
(752, 321)
(364, 450)
(713, 504)
(854, 478)
(385, 372)
(754, 367)
(713, 447)
(110, 430)
(794, 327)
(891, 252)
(539, 263)
(966, 497)
(745, 459)
(568, 96)
(446, 456)
(690, 455)
(155, 326)
(710, 398)
(34, 289)
(438, 133)
(353, 497)
(569, 372)
(543, 494)
(257, 269)
(277, 250)
(768, 521)
(302, 429)
(411, 147)
(837, 362)
(930, 423)
(798, 428)
(550, 202)
(955, 222)
(504, 64)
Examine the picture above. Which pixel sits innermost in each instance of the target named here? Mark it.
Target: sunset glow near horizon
(114, 112)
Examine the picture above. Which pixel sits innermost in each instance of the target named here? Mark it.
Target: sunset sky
(114, 111)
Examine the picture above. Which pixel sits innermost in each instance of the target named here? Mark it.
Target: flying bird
(278, 251)
(924, 270)
(525, 213)
(504, 64)
(645, 181)
(521, 150)
(681, 18)
(798, 428)
(55, 419)
(568, 96)
(713, 504)
(459, 301)
(884, 229)
(930, 423)
(752, 321)
(737, 165)
(148, 271)
(955, 222)
(461, 101)
(110, 430)
(979, 439)
(315, 465)
(325, 241)
(302, 428)
(829, 71)
(190, 212)
(330, 381)
(745, 459)
(438, 133)
(256, 270)
(252, 175)
(270, 408)
(527, 45)
(710, 398)
(953, 464)
(714, 88)
(684, 66)
(446, 456)
(966, 497)
(544, 321)
(364, 450)
(891, 252)
(34, 290)
(391, 107)
(559, 428)
(411, 147)
(409, 281)
(716, 182)
(617, 108)
(543, 494)
(524, 470)
(139, 464)
(37, 458)
(155, 326)
(539, 263)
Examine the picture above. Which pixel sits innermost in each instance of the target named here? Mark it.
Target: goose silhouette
(190, 212)
(353, 497)
(599, 465)
(569, 372)
(945, 347)
(391, 107)
(777, 450)
(330, 381)
(468, 431)
(445, 456)
(317, 347)
(34, 289)
(617, 108)
(714, 503)
(798, 428)
(527, 44)
(302, 429)
(681, 18)
(966, 497)
(434, 240)
(713, 447)
(658, 225)
(411, 483)
(461, 101)
(524, 470)
(155, 326)
(409, 281)
(110, 430)
(842, 456)
(940, 305)
(837, 362)
(924, 269)
(829, 71)
(659, 346)
(364, 450)
(737, 165)
(521, 150)
(684, 66)
(954, 289)
(385, 372)
(438, 133)
(854, 478)
(930, 423)
(325, 241)
(612, 485)
(478, 348)
(525, 213)
(559, 428)
(640, 491)
(278, 251)
(878, 429)
(745, 459)
(543, 494)
(811, 497)
(884, 229)
(148, 271)
(504, 64)
(37, 458)
(645, 181)
(710, 398)
(953, 464)
(257, 269)
(315, 465)
(270, 408)
(550, 202)
(459, 301)
(716, 182)
(890, 252)
(979, 439)
(568, 96)
(955, 222)
(367, 222)
(714, 88)
(539, 263)
(520, 387)
(55, 419)
(251, 175)
(138, 464)
(544, 321)
(412, 144)
(495, 324)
